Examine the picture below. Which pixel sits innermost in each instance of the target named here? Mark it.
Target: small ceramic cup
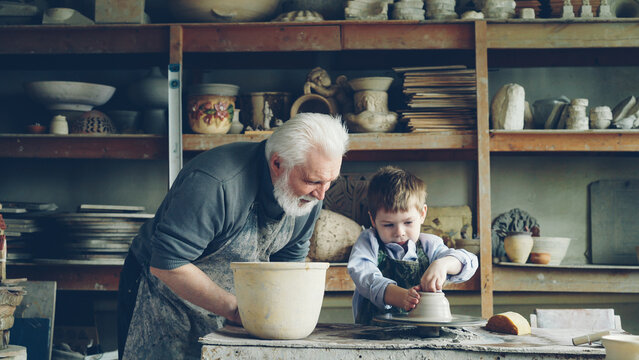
(432, 307)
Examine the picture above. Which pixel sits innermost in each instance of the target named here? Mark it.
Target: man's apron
(406, 273)
(164, 326)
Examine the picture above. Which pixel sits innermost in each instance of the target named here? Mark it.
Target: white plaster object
(408, 10)
(471, 14)
(507, 108)
(333, 237)
(366, 10)
(567, 11)
(499, 9)
(622, 109)
(604, 10)
(527, 13)
(600, 117)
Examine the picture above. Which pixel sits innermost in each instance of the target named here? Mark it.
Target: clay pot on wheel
(432, 307)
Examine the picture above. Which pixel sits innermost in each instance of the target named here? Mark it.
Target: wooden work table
(346, 341)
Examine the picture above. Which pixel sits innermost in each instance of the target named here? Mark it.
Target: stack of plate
(96, 238)
(439, 98)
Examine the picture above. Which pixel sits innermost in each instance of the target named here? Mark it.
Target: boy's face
(399, 227)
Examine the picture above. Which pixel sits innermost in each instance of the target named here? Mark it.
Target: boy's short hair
(393, 190)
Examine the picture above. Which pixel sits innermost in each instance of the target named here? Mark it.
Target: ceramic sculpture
(371, 106)
(338, 94)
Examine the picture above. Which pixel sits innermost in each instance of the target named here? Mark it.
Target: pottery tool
(589, 338)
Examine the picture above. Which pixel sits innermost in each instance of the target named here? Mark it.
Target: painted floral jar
(210, 107)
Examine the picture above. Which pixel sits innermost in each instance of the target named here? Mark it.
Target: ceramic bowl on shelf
(223, 10)
(555, 246)
(518, 246)
(69, 95)
(279, 300)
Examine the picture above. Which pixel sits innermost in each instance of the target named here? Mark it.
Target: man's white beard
(290, 202)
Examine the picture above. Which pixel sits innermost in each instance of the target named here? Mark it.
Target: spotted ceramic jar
(210, 107)
(93, 122)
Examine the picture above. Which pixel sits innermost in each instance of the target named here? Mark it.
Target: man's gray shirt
(208, 205)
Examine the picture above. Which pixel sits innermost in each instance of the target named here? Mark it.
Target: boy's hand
(435, 276)
(399, 297)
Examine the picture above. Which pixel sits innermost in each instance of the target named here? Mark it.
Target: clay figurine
(338, 94)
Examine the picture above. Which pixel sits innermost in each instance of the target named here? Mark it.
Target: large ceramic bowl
(279, 300)
(555, 246)
(621, 347)
(223, 10)
(69, 95)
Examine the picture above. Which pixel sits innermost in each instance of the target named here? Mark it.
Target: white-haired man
(238, 202)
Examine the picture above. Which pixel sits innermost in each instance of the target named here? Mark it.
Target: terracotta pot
(540, 258)
(279, 300)
(432, 306)
(518, 246)
(210, 107)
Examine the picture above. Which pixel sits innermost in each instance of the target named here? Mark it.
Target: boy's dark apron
(164, 326)
(406, 273)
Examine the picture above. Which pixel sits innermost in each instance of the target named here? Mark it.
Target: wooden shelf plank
(564, 140)
(588, 279)
(385, 35)
(70, 277)
(94, 39)
(453, 140)
(558, 34)
(252, 37)
(77, 146)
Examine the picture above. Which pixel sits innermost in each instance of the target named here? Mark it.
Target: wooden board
(614, 205)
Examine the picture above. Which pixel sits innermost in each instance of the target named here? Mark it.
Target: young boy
(391, 262)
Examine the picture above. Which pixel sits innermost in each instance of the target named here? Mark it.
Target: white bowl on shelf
(555, 246)
(69, 95)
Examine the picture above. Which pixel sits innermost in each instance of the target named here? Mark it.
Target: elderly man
(238, 202)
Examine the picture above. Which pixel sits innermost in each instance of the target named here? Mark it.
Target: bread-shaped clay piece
(509, 322)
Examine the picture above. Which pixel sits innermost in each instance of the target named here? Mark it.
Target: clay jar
(210, 107)
(432, 307)
(518, 246)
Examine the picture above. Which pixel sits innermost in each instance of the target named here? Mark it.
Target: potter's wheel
(429, 328)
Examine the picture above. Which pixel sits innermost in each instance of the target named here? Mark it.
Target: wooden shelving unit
(480, 44)
(76, 146)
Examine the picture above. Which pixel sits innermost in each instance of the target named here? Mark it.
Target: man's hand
(192, 284)
(436, 274)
